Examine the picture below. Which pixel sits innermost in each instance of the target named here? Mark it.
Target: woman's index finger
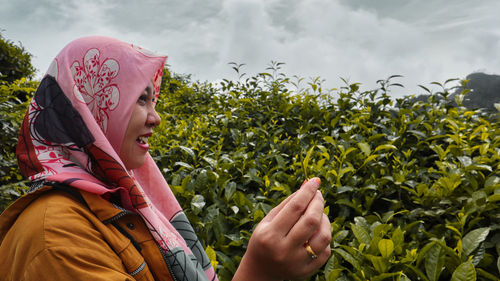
(293, 210)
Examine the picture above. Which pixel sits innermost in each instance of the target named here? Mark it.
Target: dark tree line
(15, 61)
(484, 91)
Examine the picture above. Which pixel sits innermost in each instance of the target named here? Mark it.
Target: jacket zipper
(116, 218)
(139, 269)
(163, 254)
(119, 215)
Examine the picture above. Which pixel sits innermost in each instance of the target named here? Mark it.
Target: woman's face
(140, 127)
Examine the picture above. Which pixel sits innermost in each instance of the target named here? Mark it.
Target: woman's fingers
(319, 244)
(311, 265)
(320, 240)
(278, 208)
(291, 212)
(270, 216)
(310, 222)
(276, 249)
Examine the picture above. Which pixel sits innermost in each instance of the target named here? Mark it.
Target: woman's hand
(277, 251)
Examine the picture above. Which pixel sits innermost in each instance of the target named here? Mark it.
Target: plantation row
(412, 188)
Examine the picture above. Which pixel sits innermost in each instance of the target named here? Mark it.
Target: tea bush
(412, 188)
(16, 87)
(12, 111)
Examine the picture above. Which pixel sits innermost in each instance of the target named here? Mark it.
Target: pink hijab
(73, 131)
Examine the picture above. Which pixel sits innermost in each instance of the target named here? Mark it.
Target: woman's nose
(154, 118)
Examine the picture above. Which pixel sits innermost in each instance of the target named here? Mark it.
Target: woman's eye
(143, 99)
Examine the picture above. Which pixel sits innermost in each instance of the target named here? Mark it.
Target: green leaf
(365, 148)
(494, 198)
(472, 240)
(385, 146)
(258, 215)
(403, 277)
(492, 182)
(434, 261)
(498, 264)
(189, 151)
(380, 230)
(369, 158)
(486, 275)
(465, 160)
(464, 272)
(345, 170)
(386, 247)
(305, 163)
(226, 261)
(329, 139)
(339, 236)
(184, 164)
(211, 256)
(418, 133)
(331, 270)
(386, 276)
(380, 264)
(229, 190)
(210, 161)
(417, 271)
(398, 239)
(267, 182)
(361, 234)
(334, 274)
(349, 150)
(330, 265)
(197, 203)
(478, 254)
(454, 229)
(479, 167)
(425, 88)
(348, 257)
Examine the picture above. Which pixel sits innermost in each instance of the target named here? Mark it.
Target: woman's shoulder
(44, 219)
(48, 229)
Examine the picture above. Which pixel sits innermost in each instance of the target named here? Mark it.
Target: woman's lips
(142, 141)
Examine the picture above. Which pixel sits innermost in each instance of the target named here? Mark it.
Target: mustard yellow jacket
(58, 235)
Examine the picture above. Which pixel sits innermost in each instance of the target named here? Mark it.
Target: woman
(99, 208)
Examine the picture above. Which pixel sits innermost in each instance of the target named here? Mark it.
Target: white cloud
(360, 40)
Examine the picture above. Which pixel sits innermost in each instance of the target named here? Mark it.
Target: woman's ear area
(157, 81)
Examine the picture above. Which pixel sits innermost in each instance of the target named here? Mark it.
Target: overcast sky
(360, 40)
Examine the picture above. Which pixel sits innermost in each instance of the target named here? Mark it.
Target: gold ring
(310, 251)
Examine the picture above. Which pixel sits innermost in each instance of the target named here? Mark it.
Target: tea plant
(12, 111)
(411, 187)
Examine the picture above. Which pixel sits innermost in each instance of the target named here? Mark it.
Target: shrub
(411, 188)
(15, 61)
(12, 113)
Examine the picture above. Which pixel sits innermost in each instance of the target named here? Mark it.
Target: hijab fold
(73, 131)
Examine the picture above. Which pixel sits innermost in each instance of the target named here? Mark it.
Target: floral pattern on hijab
(73, 131)
(93, 85)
